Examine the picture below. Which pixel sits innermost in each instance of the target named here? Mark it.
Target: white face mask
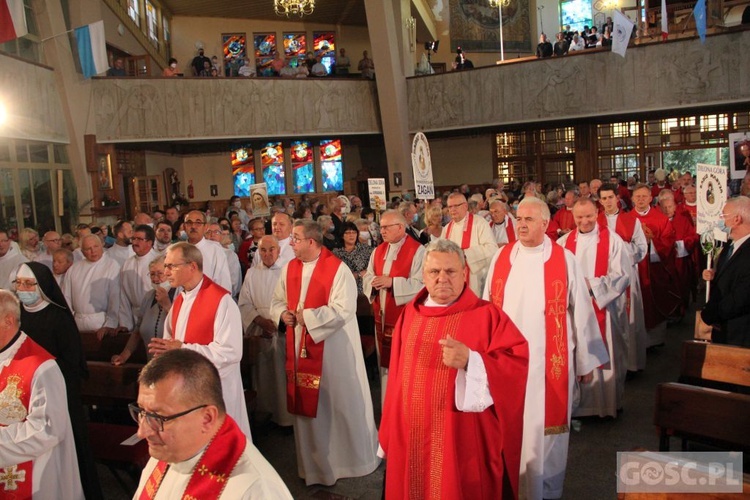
(365, 235)
(237, 204)
(173, 65)
(165, 285)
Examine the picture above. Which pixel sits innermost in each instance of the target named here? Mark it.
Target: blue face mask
(28, 298)
(415, 219)
(722, 225)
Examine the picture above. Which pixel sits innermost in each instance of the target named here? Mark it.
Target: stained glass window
(134, 11)
(243, 171)
(272, 159)
(151, 21)
(302, 167)
(265, 49)
(331, 165)
(576, 13)
(295, 46)
(325, 47)
(234, 48)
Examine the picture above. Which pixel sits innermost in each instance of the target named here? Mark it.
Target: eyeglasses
(194, 223)
(53, 240)
(213, 231)
(296, 240)
(171, 267)
(137, 238)
(154, 420)
(24, 283)
(386, 226)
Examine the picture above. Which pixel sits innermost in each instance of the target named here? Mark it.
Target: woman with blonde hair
(28, 241)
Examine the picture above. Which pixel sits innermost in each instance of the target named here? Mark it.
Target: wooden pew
(710, 415)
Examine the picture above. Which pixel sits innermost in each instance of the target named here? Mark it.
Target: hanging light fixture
(293, 7)
(499, 4)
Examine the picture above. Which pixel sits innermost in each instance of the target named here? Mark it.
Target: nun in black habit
(46, 318)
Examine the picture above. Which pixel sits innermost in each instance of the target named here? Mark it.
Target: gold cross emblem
(11, 476)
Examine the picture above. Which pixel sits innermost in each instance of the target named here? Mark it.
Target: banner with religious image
(475, 26)
(259, 200)
(739, 154)
(421, 163)
(711, 181)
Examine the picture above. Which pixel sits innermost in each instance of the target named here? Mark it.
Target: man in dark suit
(411, 214)
(727, 311)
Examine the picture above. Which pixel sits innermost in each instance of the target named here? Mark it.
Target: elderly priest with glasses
(197, 450)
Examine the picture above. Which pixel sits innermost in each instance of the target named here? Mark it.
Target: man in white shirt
(200, 435)
(135, 280)
(215, 264)
(121, 250)
(269, 377)
(163, 236)
(205, 319)
(92, 289)
(51, 242)
(37, 454)
(503, 225)
(10, 258)
(281, 227)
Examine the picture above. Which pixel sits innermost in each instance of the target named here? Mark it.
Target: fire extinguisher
(191, 191)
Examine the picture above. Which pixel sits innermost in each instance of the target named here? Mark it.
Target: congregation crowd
(498, 314)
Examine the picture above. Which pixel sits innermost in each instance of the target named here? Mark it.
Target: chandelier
(498, 3)
(294, 7)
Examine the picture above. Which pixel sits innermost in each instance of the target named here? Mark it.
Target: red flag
(12, 20)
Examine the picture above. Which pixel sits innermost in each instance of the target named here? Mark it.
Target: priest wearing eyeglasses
(204, 319)
(197, 450)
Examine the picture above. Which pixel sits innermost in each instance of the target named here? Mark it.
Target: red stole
(213, 469)
(624, 225)
(200, 324)
(304, 369)
(465, 240)
(509, 230)
(556, 331)
(15, 388)
(600, 269)
(400, 268)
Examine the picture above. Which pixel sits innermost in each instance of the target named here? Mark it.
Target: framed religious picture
(104, 172)
(739, 154)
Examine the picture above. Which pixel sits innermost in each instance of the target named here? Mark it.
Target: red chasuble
(200, 323)
(557, 364)
(305, 368)
(685, 267)
(400, 268)
(564, 219)
(661, 297)
(213, 469)
(15, 394)
(433, 450)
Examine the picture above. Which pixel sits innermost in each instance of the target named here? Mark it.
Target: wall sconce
(411, 24)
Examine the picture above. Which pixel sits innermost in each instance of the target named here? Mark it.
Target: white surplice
(215, 264)
(235, 272)
(45, 258)
(482, 247)
(9, 265)
(135, 282)
(342, 440)
(45, 436)
(253, 478)
(603, 396)
(500, 231)
(286, 253)
(544, 458)
(225, 351)
(637, 335)
(92, 290)
(404, 289)
(119, 254)
(269, 375)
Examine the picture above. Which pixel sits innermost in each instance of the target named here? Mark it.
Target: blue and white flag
(700, 19)
(92, 49)
(621, 34)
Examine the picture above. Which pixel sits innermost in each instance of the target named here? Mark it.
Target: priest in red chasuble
(197, 450)
(453, 415)
(686, 242)
(661, 298)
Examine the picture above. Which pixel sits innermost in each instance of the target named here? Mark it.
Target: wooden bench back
(716, 362)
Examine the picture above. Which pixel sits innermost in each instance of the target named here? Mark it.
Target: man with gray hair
(457, 381)
(474, 236)
(503, 226)
(215, 264)
(393, 278)
(205, 319)
(334, 426)
(38, 454)
(551, 305)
